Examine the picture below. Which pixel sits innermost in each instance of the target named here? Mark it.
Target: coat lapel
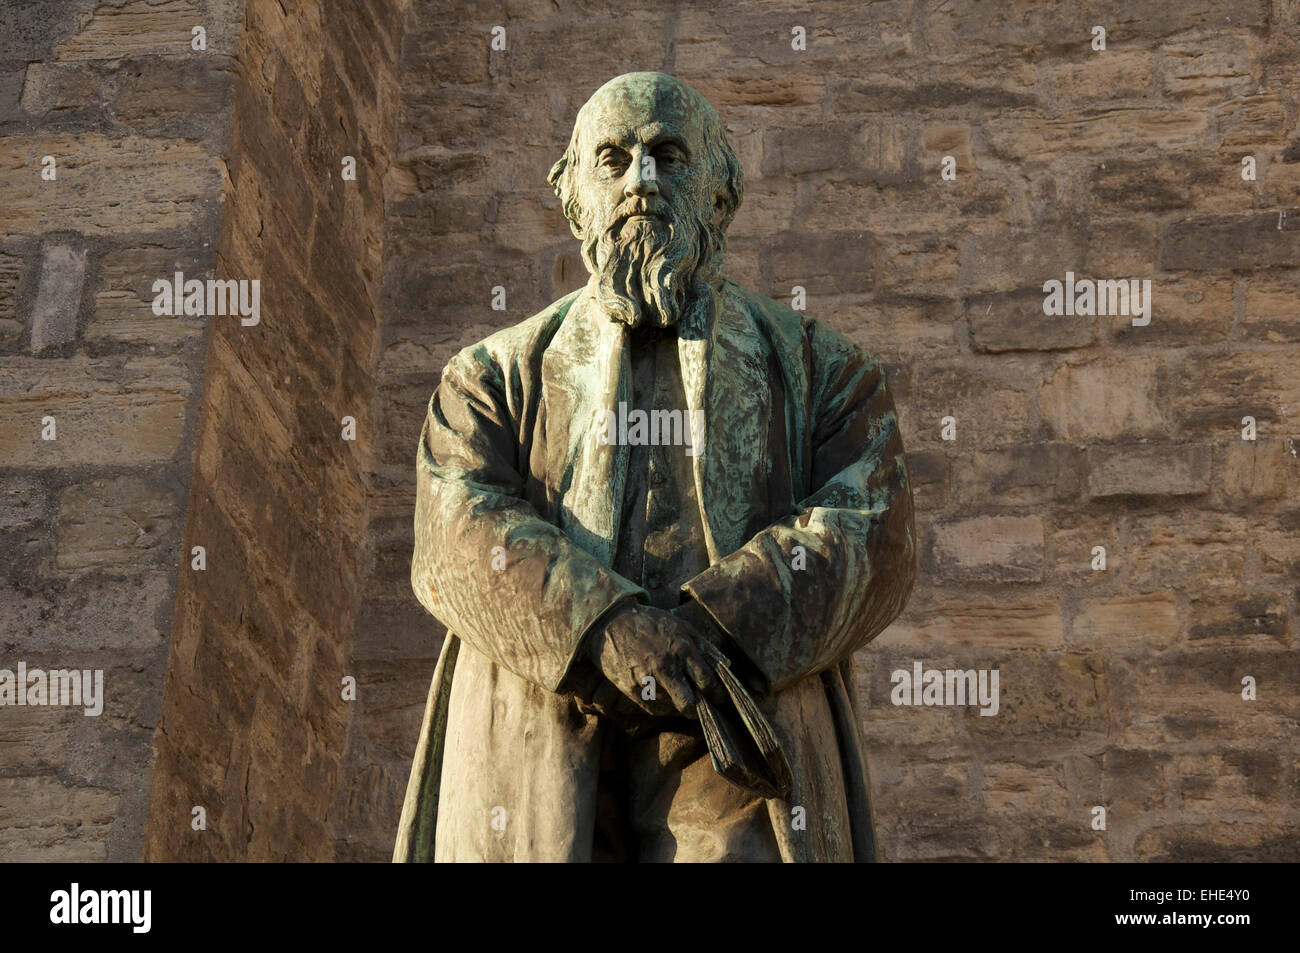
(586, 372)
(725, 373)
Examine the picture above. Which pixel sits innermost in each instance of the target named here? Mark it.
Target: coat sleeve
(508, 583)
(811, 589)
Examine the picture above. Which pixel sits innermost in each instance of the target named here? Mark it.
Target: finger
(662, 705)
(612, 702)
(633, 699)
(684, 696)
(704, 676)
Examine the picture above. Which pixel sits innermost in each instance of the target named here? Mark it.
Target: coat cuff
(709, 596)
(629, 592)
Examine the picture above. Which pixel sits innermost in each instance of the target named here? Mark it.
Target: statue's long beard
(646, 271)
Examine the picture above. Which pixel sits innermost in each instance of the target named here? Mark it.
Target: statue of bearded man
(657, 519)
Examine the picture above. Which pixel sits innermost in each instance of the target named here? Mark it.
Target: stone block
(984, 549)
(58, 297)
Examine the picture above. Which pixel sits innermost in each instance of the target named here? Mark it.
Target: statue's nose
(641, 179)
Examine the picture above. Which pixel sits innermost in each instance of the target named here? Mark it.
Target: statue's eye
(669, 156)
(610, 159)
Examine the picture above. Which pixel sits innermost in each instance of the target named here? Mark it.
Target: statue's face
(642, 160)
(650, 214)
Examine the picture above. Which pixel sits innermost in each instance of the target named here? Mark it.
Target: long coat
(807, 514)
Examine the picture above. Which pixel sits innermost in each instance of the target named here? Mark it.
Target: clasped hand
(652, 664)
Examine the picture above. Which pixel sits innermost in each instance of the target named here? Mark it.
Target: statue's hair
(729, 187)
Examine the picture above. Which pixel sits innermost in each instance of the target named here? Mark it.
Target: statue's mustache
(639, 207)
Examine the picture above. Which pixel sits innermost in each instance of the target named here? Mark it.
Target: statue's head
(649, 185)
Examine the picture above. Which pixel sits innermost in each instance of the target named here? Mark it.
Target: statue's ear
(731, 189)
(719, 208)
(562, 192)
(557, 170)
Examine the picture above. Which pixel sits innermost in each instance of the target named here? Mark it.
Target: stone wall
(135, 121)
(1119, 688)
(255, 717)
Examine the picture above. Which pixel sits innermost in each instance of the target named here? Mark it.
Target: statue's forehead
(622, 107)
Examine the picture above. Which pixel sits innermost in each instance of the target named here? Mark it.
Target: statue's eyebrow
(670, 139)
(609, 144)
(663, 137)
